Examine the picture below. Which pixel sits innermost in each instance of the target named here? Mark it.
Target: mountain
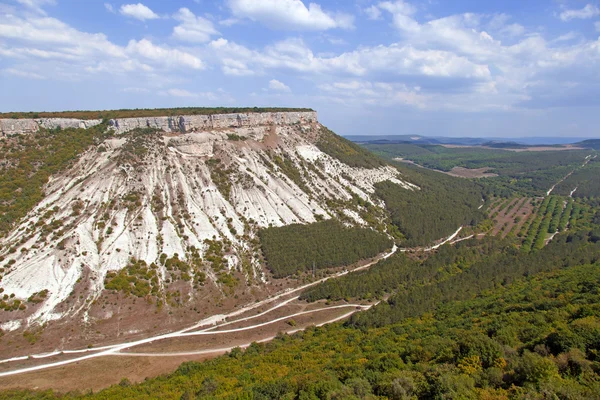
(167, 210)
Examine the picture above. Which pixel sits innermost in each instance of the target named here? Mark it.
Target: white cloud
(587, 12)
(290, 15)
(138, 11)
(60, 37)
(373, 12)
(36, 5)
(23, 74)
(135, 90)
(276, 85)
(54, 44)
(354, 92)
(193, 28)
(109, 7)
(163, 55)
(179, 93)
(396, 60)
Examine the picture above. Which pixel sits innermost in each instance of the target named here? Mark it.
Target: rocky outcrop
(183, 123)
(192, 123)
(10, 127)
(17, 126)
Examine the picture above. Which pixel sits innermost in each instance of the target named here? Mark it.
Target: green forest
(293, 249)
(436, 210)
(584, 181)
(524, 172)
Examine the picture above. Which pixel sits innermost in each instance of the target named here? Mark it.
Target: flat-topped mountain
(159, 217)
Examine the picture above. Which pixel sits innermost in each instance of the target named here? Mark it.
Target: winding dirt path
(209, 326)
(214, 322)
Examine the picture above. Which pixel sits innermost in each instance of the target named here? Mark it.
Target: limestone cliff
(174, 192)
(182, 123)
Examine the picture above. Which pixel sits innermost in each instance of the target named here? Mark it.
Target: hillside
(110, 227)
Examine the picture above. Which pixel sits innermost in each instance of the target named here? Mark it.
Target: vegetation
(590, 144)
(535, 337)
(294, 248)
(503, 264)
(27, 161)
(235, 138)
(400, 272)
(584, 180)
(137, 145)
(485, 318)
(525, 172)
(147, 112)
(220, 175)
(442, 204)
(287, 166)
(136, 279)
(347, 152)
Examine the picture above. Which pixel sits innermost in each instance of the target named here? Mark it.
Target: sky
(510, 68)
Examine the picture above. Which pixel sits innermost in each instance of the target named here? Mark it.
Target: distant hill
(590, 144)
(467, 141)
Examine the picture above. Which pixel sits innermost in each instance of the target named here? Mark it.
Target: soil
(101, 372)
(521, 207)
(471, 173)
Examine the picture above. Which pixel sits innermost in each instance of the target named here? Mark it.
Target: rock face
(23, 126)
(183, 123)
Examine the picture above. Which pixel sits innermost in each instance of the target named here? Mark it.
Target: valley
(168, 240)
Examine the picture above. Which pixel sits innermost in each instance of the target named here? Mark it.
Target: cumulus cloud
(587, 12)
(53, 43)
(465, 61)
(290, 15)
(355, 92)
(109, 8)
(398, 60)
(138, 11)
(163, 55)
(276, 85)
(193, 28)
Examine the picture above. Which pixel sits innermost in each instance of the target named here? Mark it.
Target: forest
(442, 204)
(501, 265)
(401, 272)
(583, 181)
(529, 173)
(293, 249)
(146, 112)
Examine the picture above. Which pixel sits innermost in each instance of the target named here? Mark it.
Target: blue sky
(507, 68)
